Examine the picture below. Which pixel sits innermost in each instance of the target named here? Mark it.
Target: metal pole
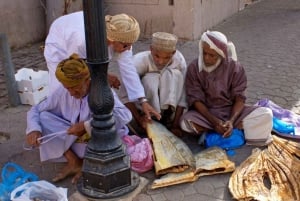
(106, 169)
(9, 72)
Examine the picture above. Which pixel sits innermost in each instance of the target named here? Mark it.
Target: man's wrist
(143, 100)
(232, 120)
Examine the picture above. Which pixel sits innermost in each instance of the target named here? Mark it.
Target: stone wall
(185, 18)
(28, 21)
(23, 22)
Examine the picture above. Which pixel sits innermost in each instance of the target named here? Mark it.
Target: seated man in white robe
(66, 112)
(162, 72)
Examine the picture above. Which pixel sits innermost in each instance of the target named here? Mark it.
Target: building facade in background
(26, 22)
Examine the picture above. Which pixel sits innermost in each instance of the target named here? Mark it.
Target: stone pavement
(266, 35)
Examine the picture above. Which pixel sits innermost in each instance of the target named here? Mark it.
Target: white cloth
(258, 126)
(163, 88)
(67, 36)
(58, 112)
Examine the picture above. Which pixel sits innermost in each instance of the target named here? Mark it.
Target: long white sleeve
(129, 76)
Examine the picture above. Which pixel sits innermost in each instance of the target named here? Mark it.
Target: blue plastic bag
(280, 126)
(235, 140)
(12, 176)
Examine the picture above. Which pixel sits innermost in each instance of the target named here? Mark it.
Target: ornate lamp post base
(107, 175)
(91, 193)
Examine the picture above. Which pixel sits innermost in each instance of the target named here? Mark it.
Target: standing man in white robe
(67, 36)
(66, 112)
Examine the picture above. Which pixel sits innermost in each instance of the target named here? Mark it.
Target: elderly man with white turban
(215, 88)
(67, 36)
(60, 125)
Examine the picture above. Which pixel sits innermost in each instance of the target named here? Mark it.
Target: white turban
(218, 42)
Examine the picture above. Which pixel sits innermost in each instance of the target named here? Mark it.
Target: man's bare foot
(67, 171)
(72, 168)
(177, 132)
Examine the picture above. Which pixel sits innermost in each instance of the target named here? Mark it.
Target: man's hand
(32, 138)
(219, 127)
(150, 111)
(228, 125)
(77, 129)
(113, 81)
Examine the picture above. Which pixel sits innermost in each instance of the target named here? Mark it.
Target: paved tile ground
(266, 35)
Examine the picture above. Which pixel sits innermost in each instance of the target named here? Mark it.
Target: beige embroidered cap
(122, 28)
(164, 41)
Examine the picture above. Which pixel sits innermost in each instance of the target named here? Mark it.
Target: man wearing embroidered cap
(67, 36)
(66, 112)
(215, 88)
(162, 71)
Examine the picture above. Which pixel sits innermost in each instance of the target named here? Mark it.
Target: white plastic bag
(41, 190)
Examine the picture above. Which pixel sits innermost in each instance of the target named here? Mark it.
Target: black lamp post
(106, 169)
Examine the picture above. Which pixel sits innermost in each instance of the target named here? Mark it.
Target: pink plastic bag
(140, 152)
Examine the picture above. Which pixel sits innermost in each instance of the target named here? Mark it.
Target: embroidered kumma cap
(72, 71)
(122, 28)
(164, 41)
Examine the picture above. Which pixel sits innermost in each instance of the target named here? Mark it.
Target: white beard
(211, 68)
